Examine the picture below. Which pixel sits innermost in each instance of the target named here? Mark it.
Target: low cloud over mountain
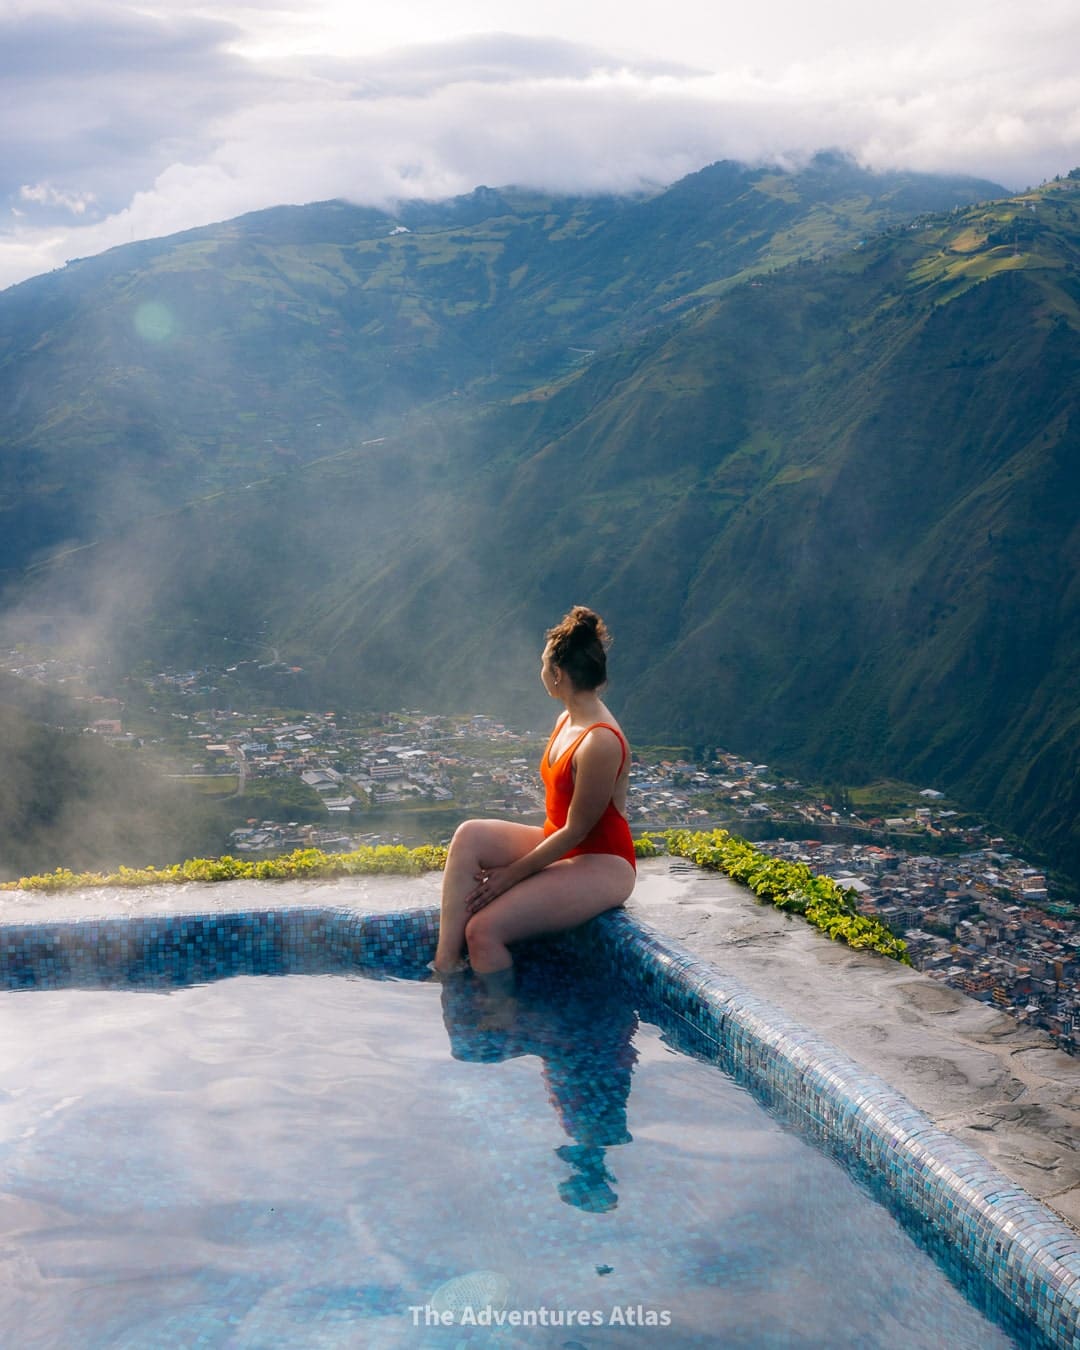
(122, 124)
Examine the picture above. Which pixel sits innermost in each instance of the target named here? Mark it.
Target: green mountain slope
(829, 507)
(164, 371)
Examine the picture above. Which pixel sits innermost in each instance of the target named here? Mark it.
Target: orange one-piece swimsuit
(611, 833)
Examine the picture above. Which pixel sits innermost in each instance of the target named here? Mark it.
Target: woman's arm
(597, 762)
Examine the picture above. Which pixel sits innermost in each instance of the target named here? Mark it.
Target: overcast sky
(123, 121)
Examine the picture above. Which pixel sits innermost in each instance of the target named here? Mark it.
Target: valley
(807, 440)
(974, 912)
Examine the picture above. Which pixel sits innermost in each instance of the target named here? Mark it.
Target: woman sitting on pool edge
(505, 881)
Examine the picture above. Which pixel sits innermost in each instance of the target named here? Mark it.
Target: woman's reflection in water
(584, 1038)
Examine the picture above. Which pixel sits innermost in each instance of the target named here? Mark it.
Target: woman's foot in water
(459, 969)
(500, 999)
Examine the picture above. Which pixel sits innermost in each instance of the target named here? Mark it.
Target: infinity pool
(331, 1160)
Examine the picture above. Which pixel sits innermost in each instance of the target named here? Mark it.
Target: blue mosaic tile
(1016, 1244)
(1007, 1239)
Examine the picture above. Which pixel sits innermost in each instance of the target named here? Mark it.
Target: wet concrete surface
(1005, 1089)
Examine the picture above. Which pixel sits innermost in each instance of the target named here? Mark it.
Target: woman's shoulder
(594, 732)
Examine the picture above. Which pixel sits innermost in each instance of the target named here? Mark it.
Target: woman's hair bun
(589, 621)
(578, 645)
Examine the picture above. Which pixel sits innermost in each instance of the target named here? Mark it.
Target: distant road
(241, 760)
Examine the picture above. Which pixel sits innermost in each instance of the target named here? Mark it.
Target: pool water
(326, 1160)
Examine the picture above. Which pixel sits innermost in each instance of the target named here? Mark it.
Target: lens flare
(154, 321)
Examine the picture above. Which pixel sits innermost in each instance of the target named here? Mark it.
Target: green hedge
(789, 886)
(303, 862)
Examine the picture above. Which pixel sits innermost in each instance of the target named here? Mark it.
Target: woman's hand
(491, 882)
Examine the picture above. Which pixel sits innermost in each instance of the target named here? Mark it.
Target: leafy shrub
(393, 859)
(646, 847)
(789, 886)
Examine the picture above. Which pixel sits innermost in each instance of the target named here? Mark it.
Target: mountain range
(808, 440)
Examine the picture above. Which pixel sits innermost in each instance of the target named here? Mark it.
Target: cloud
(486, 58)
(154, 123)
(96, 103)
(44, 194)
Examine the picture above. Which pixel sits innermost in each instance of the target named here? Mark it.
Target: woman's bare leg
(476, 845)
(562, 896)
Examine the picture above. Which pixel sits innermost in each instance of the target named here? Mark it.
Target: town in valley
(974, 913)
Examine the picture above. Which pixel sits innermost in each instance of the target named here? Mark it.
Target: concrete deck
(1005, 1090)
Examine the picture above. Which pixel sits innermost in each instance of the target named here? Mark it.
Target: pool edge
(1023, 1250)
